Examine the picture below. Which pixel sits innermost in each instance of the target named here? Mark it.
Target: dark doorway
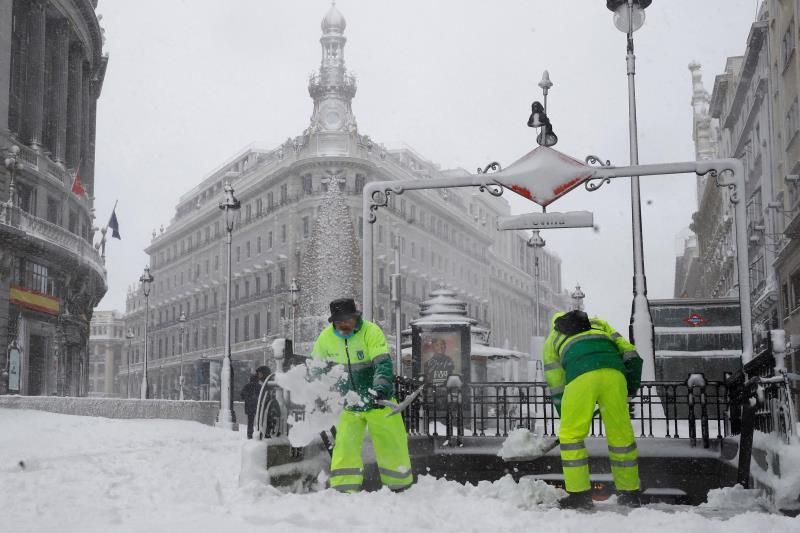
(37, 374)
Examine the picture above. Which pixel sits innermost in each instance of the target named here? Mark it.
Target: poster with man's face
(441, 356)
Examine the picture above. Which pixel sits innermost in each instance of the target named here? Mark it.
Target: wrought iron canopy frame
(726, 173)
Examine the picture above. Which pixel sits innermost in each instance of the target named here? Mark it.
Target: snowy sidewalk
(97, 474)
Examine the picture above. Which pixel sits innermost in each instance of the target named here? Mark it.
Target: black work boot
(577, 500)
(630, 498)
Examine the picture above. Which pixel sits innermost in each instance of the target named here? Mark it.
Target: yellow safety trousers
(390, 440)
(607, 388)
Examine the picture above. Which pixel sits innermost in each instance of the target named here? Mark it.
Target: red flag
(77, 186)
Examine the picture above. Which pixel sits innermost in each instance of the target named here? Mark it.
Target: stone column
(85, 127)
(74, 105)
(33, 107)
(7, 48)
(58, 108)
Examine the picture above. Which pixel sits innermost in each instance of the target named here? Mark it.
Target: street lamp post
(536, 242)
(181, 327)
(294, 291)
(628, 17)
(226, 417)
(146, 280)
(129, 335)
(12, 164)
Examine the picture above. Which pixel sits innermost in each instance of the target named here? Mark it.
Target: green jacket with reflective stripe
(567, 357)
(365, 357)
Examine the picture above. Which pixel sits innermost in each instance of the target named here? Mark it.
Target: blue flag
(113, 223)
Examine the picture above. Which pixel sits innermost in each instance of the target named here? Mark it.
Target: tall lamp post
(129, 335)
(146, 280)
(226, 417)
(294, 291)
(12, 164)
(181, 327)
(628, 17)
(536, 242)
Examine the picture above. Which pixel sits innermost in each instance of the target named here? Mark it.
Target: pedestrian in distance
(587, 363)
(360, 346)
(249, 396)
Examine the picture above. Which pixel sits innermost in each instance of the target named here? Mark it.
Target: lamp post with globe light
(294, 291)
(146, 280)
(226, 418)
(629, 16)
(536, 242)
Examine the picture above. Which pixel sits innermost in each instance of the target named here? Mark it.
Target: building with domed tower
(285, 232)
(51, 276)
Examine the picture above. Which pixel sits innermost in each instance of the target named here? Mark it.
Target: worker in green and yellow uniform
(587, 363)
(360, 346)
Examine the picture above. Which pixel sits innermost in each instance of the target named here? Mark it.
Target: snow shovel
(545, 450)
(402, 406)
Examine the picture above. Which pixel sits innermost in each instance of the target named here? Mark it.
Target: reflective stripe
(345, 488)
(627, 356)
(346, 472)
(381, 357)
(360, 366)
(574, 463)
(622, 449)
(393, 473)
(573, 340)
(552, 366)
(556, 390)
(573, 446)
(615, 336)
(632, 462)
(399, 487)
(380, 379)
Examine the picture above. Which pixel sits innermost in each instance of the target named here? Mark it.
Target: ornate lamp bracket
(381, 199)
(493, 189)
(592, 184)
(734, 192)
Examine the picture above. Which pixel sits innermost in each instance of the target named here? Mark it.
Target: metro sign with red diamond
(695, 320)
(544, 175)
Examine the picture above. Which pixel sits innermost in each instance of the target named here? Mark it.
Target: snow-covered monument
(300, 220)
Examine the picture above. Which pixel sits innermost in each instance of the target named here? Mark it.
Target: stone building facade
(446, 238)
(756, 105)
(108, 350)
(51, 73)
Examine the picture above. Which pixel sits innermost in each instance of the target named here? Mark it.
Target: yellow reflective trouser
(607, 388)
(389, 438)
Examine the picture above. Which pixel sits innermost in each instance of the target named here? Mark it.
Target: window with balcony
(284, 193)
(258, 244)
(269, 240)
(283, 233)
(256, 325)
(794, 286)
(53, 210)
(283, 275)
(305, 227)
(26, 199)
(35, 277)
(307, 184)
(360, 181)
(270, 200)
(792, 122)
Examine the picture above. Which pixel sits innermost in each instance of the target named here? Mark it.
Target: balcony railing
(53, 234)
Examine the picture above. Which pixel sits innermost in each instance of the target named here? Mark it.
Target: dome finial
(333, 22)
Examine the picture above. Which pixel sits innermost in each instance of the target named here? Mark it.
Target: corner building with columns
(446, 238)
(51, 277)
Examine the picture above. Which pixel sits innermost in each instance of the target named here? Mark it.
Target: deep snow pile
(96, 474)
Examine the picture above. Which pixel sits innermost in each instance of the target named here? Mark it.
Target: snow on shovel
(402, 406)
(525, 445)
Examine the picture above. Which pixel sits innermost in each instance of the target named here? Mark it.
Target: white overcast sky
(190, 83)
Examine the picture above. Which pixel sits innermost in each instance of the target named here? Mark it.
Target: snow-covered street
(98, 474)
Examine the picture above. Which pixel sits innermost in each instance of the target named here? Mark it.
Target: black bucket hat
(343, 309)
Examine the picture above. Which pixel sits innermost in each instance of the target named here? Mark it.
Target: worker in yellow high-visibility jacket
(587, 363)
(360, 346)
